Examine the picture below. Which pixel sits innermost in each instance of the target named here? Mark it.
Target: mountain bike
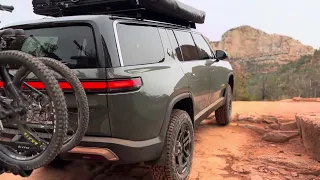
(17, 104)
(70, 83)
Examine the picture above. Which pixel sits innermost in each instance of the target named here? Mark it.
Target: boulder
(275, 126)
(245, 118)
(309, 127)
(289, 126)
(257, 129)
(269, 119)
(279, 136)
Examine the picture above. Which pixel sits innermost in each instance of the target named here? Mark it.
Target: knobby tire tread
(80, 94)
(221, 113)
(56, 96)
(166, 172)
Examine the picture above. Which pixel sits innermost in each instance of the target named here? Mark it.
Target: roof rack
(143, 14)
(170, 11)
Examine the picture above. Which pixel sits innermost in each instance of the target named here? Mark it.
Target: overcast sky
(295, 18)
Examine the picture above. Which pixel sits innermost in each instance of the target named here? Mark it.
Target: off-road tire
(169, 171)
(59, 103)
(80, 94)
(223, 114)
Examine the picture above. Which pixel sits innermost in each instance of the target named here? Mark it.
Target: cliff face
(247, 43)
(270, 66)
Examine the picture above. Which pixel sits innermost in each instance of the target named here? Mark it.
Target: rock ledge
(309, 128)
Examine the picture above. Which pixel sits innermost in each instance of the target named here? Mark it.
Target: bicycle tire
(80, 94)
(60, 107)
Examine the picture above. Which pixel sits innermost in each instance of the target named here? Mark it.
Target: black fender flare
(229, 75)
(165, 124)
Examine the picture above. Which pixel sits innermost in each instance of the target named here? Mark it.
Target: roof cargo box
(163, 10)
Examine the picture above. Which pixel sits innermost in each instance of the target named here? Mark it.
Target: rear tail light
(112, 86)
(123, 85)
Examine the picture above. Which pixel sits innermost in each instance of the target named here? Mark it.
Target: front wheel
(223, 114)
(178, 148)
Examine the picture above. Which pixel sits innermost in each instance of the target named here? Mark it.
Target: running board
(202, 115)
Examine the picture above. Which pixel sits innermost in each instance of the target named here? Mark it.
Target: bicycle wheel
(50, 145)
(76, 130)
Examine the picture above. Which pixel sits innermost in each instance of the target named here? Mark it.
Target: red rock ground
(233, 152)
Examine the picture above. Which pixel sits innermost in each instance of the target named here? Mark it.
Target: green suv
(148, 84)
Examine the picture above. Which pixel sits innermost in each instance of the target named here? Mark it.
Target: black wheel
(76, 130)
(51, 144)
(179, 149)
(223, 114)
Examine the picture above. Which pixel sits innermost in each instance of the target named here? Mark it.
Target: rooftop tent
(172, 11)
(176, 9)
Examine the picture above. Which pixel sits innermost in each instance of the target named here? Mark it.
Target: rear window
(140, 44)
(73, 45)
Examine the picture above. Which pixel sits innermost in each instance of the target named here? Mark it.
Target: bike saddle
(11, 32)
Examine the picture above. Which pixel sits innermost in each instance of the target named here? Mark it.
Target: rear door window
(187, 46)
(73, 45)
(140, 44)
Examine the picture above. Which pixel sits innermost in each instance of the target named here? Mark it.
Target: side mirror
(221, 55)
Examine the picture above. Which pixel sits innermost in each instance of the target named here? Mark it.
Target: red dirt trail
(229, 153)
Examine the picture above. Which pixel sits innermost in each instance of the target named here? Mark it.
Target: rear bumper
(118, 150)
(105, 148)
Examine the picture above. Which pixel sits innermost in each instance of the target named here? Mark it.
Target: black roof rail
(116, 17)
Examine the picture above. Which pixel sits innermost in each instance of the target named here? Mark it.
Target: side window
(203, 47)
(187, 46)
(174, 45)
(140, 44)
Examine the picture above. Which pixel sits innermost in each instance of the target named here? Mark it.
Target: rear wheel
(76, 129)
(223, 114)
(40, 150)
(178, 148)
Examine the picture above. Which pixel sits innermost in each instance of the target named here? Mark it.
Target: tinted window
(140, 44)
(174, 45)
(73, 45)
(186, 43)
(202, 46)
